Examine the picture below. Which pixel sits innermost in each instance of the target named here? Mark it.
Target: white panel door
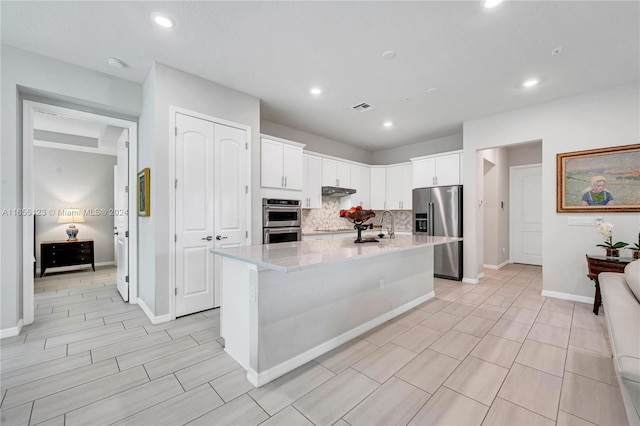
(525, 218)
(194, 215)
(121, 221)
(230, 192)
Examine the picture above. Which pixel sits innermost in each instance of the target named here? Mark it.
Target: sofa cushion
(622, 311)
(632, 276)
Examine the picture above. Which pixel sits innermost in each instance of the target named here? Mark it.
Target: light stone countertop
(348, 231)
(295, 256)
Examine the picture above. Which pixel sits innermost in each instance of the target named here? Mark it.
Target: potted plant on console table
(605, 230)
(359, 216)
(635, 249)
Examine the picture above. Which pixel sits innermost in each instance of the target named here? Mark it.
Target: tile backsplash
(328, 217)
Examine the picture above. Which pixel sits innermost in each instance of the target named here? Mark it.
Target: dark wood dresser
(66, 253)
(598, 264)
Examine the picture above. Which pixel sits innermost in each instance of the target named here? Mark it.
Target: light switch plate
(582, 221)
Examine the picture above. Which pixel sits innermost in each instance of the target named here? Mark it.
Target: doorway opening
(500, 245)
(77, 169)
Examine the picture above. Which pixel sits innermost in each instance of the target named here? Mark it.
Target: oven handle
(280, 230)
(290, 208)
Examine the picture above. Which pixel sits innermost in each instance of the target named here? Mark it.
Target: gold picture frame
(144, 198)
(599, 180)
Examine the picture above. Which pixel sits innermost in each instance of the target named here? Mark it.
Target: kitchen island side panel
(315, 310)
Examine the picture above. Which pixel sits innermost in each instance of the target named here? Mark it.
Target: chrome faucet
(391, 231)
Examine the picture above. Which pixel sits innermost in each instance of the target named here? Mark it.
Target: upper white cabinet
(281, 164)
(336, 173)
(312, 182)
(361, 182)
(437, 170)
(378, 188)
(398, 188)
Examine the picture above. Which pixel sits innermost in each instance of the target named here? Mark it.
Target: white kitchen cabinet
(378, 187)
(437, 170)
(281, 165)
(399, 187)
(312, 182)
(336, 173)
(361, 182)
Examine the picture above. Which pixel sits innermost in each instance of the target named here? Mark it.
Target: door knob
(208, 238)
(220, 237)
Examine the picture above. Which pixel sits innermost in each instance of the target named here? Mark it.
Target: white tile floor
(493, 353)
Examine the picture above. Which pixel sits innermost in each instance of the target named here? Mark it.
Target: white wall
(166, 87)
(404, 153)
(64, 179)
(317, 143)
(593, 120)
(25, 72)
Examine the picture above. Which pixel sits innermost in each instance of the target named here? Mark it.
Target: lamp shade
(71, 216)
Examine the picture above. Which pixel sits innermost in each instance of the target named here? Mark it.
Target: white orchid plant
(605, 229)
(636, 246)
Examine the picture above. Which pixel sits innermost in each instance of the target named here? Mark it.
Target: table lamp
(71, 216)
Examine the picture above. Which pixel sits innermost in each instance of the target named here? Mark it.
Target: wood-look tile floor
(493, 353)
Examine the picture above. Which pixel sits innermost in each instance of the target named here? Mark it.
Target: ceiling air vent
(363, 106)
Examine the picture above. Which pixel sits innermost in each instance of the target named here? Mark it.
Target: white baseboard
(75, 267)
(497, 267)
(567, 296)
(154, 319)
(10, 332)
(471, 280)
(259, 379)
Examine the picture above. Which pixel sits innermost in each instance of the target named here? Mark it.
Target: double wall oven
(281, 220)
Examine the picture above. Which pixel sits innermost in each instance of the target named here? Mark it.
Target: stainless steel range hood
(334, 191)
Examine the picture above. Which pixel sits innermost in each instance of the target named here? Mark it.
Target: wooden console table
(597, 264)
(66, 253)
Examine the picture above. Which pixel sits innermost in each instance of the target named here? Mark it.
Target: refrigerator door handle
(431, 215)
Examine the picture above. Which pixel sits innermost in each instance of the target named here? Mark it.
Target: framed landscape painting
(599, 180)
(144, 201)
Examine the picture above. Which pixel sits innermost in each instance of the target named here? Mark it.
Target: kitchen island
(288, 303)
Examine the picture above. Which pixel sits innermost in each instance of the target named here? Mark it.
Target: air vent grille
(362, 106)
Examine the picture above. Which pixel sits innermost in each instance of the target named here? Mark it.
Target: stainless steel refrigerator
(438, 211)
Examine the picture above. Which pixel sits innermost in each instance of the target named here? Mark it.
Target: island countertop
(295, 256)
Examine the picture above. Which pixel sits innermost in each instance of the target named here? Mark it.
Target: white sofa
(621, 300)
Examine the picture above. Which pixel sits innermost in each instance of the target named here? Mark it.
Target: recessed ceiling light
(490, 4)
(315, 91)
(388, 124)
(531, 82)
(115, 62)
(163, 20)
(388, 55)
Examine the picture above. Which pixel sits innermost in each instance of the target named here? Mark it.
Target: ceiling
(476, 58)
(75, 133)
